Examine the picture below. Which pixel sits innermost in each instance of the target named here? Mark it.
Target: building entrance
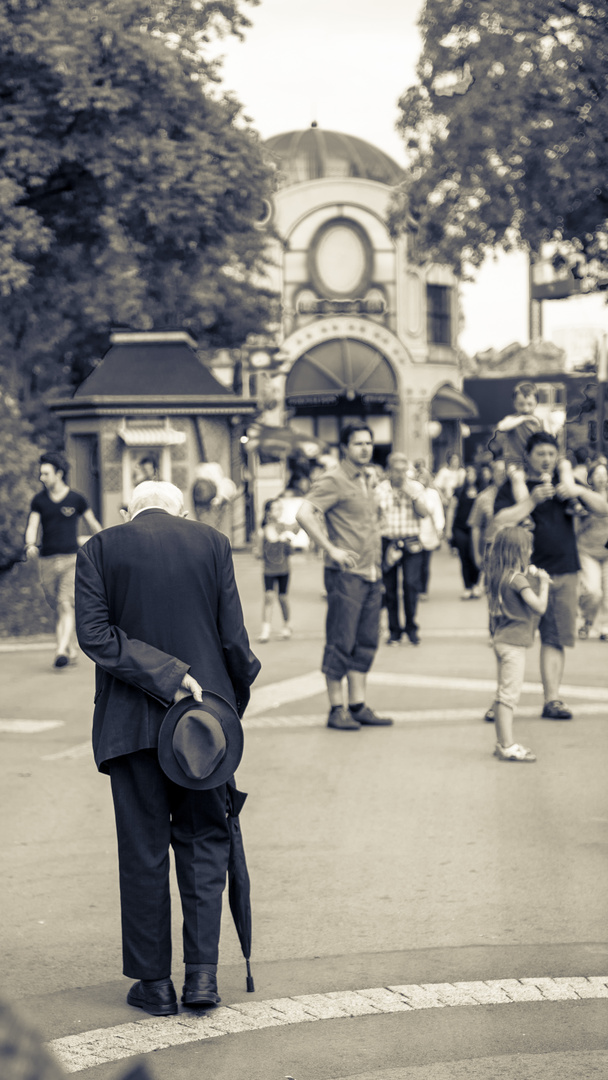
(340, 380)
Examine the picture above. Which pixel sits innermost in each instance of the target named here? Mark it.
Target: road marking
(272, 696)
(312, 684)
(430, 716)
(286, 691)
(72, 752)
(28, 727)
(440, 682)
(26, 646)
(90, 1048)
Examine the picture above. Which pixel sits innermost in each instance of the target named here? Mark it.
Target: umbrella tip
(250, 986)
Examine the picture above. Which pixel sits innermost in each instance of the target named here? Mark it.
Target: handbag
(411, 545)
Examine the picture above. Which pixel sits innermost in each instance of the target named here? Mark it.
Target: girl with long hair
(517, 597)
(274, 547)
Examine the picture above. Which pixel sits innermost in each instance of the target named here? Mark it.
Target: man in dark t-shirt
(55, 512)
(554, 550)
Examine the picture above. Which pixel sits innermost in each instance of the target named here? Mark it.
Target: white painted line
(282, 693)
(313, 683)
(72, 752)
(26, 646)
(28, 727)
(428, 716)
(440, 682)
(90, 1048)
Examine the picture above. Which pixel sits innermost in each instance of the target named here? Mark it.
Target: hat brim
(227, 716)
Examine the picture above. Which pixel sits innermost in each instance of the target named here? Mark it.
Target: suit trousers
(153, 814)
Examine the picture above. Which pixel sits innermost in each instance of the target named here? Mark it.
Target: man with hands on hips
(340, 514)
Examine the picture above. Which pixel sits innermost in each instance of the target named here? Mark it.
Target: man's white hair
(158, 494)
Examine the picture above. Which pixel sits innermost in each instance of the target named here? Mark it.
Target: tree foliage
(18, 479)
(130, 185)
(506, 128)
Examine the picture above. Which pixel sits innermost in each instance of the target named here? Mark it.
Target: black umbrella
(239, 888)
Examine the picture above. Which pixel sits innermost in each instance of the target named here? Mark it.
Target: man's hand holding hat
(189, 686)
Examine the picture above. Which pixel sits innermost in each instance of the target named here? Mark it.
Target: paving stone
(353, 1003)
(450, 993)
(321, 1006)
(259, 1014)
(293, 1010)
(551, 990)
(486, 993)
(419, 998)
(516, 991)
(385, 1000)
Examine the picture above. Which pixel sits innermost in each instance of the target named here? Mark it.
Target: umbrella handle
(250, 986)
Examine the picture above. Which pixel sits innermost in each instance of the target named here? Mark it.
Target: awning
(341, 369)
(451, 404)
(157, 435)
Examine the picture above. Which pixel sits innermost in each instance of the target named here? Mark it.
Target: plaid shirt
(398, 517)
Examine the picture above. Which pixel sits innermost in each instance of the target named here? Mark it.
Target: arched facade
(366, 331)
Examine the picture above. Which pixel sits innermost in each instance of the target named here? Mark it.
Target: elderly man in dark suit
(157, 609)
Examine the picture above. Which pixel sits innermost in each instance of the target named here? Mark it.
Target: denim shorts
(558, 625)
(57, 575)
(353, 623)
(511, 667)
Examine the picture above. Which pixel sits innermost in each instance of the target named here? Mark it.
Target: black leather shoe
(200, 988)
(159, 1000)
(343, 720)
(369, 718)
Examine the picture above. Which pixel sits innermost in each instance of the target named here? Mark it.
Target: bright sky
(345, 63)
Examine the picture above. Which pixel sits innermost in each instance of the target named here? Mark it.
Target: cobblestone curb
(79, 1052)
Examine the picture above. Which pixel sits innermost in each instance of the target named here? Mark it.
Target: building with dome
(366, 330)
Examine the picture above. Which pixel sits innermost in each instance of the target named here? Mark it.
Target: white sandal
(514, 753)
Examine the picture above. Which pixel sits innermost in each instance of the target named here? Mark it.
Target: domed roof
(313, 153)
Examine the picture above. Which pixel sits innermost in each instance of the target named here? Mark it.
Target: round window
(341, 259)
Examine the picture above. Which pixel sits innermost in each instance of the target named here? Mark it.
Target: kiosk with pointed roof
(151, 396)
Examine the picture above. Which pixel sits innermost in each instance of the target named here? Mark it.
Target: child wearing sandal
(517, 597)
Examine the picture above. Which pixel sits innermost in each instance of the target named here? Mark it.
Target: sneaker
(342, 720)
(513, 753)
(414, 637)
(490, 715)
(604, 636)
(369, 718)
(556, 710)
(392, 642)
(466, 595)
(264, 633)
(583, 631)
(423, 596)
(286, 632)
(476, 592)
(62, 660)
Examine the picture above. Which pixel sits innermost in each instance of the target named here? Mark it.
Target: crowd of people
(155, 605)
(540, 558)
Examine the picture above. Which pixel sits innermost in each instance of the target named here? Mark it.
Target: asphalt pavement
(421, 910)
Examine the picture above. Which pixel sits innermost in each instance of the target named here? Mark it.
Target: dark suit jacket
(156, 598)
